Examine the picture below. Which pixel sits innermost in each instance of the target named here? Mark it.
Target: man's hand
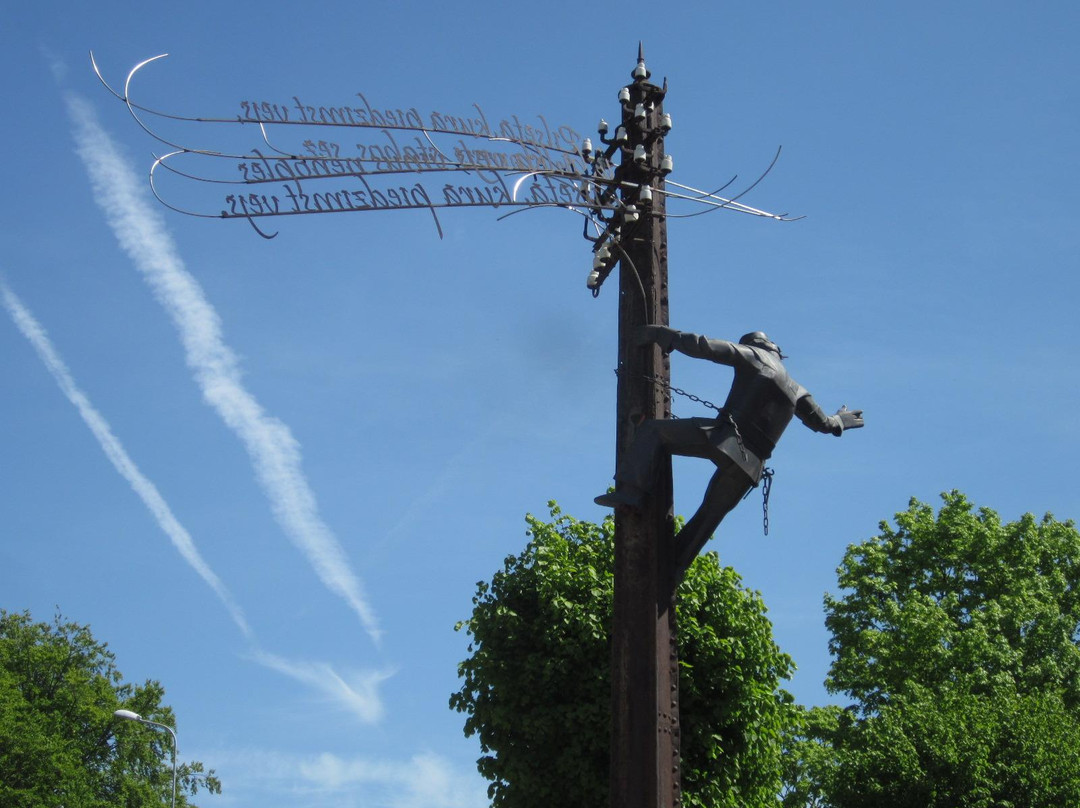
(661, 335)
(849, 419)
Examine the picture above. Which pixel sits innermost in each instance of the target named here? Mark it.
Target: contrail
(274, 453)
(359, 696)
(120, 459)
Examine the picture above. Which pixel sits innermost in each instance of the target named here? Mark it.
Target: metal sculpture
(762, 401)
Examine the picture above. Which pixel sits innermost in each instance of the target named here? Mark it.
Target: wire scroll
(407, 160)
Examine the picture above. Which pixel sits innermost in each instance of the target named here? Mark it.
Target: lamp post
(128, 715)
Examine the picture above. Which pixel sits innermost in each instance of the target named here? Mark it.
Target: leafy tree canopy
(59, 742)
(537, 690)
(956, 636)
(958, 596)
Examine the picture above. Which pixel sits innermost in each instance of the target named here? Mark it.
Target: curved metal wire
(101, 78)
(637, 275)
(527, 206)
(701, 195)
(160, 162)
(549, 173)
(744, 192)
(721, 204)
(269, 145)
(158, 196)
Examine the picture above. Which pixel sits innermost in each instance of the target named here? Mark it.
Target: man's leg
(653, 440)
(728, 485)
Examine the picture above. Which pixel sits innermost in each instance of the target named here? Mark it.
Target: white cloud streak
(327, 780)
(359, 695)
(274, 453)
(116, 453)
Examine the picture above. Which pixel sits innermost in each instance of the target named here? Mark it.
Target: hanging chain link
(766, 489)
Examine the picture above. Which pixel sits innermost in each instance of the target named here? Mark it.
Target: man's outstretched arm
(695, 345)
(808, 411)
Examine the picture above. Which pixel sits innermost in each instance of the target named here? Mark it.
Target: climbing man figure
(761, 403)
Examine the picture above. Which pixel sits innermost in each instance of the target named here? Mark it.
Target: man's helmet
(759, 340)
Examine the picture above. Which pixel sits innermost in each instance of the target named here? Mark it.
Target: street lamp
(128, 715)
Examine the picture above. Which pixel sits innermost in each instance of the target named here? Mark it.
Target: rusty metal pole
(645, 725)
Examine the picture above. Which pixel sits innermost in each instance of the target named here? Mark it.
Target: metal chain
(696, 399)
(668, 386)
(766, 489)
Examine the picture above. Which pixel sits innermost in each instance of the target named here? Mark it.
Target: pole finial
(640, 73)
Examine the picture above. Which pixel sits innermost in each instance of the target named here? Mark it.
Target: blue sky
(269, 473)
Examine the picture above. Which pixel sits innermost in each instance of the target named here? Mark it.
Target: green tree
(59, 742)
(956, 636)
(537, 690)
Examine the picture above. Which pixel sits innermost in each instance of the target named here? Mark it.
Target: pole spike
(640, 73)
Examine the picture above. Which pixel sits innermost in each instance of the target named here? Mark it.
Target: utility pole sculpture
(644, 663)
(435, 161)
(649, 561)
